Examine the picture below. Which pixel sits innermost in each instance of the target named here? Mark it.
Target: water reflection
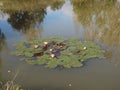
(25, 17)
(2, 39)
(94, 20)
(89, 19)
(2, 43)
(101, 22)
(33, 33)
(23, 20)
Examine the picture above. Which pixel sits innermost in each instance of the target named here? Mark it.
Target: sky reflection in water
(68, 21)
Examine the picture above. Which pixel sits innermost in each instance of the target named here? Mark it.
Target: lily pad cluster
(54, 52)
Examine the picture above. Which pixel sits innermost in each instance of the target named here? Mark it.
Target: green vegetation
(72, 53)
(11, 86)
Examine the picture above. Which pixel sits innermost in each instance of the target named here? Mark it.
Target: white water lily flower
(84, 48)
(45, 42)
(52, 55)
(51, 50)
(35, 46)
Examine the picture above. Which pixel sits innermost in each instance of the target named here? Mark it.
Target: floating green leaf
(73, 52)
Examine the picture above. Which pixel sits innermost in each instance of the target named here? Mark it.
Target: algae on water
(65, 52)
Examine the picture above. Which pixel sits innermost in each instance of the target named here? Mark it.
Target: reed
(11, 85)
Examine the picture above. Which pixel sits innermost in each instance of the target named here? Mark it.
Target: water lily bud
(52, 55)
(84, 48)
(35, 46)
(45, 43)
(51, 50)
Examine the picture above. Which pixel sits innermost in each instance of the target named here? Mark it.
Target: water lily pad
(72, 52)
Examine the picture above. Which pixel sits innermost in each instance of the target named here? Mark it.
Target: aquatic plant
(65, 52)
(10, 85)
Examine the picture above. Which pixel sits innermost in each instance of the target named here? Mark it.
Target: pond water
(98, 21)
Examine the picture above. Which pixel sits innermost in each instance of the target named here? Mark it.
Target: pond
(95, 20)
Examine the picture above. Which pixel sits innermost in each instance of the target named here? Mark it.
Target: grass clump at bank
(54, 52)
(10, 85)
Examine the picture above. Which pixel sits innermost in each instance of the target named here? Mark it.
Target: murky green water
(98, 21)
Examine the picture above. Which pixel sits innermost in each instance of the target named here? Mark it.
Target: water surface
(98, 21)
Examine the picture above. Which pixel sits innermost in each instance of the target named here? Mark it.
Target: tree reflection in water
(100, 19)
(24, 15)
(2, 40)
(2, 44)
(101, 22)
(23, 20)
